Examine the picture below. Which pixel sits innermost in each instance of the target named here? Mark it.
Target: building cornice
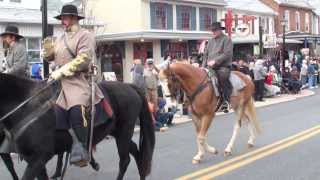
(195, 2)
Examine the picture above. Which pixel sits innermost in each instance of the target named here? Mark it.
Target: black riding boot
(79, 154)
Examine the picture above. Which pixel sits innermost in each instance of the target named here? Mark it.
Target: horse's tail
(147, 136)
(252, 112)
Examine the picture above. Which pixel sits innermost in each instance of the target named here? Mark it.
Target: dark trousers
(71, 118)
(259, 90)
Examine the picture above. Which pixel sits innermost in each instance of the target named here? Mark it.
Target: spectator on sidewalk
(294, 82)
(304, 73)
(259, 76)
(137, 73)
(163, 118)
(270, 89)
(311, 71)
(151, 82)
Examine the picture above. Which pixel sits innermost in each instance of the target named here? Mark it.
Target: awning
(155, 34)
(178, 35)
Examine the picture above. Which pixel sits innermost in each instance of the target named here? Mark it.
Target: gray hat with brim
(69, 10)
(217, 26)
(12, 30)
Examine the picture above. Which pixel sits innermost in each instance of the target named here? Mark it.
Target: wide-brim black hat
(12, 30)
(217, 26)
(69, 10)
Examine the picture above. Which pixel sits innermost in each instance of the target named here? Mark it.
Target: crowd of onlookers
(145, 76)
(270, 80)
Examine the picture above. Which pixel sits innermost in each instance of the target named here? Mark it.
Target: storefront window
(33, 49)
(177, 50)
(111, 58)
(142, 51)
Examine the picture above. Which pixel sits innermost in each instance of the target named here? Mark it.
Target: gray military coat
(219, 49)
(17, 60)
(76, 90)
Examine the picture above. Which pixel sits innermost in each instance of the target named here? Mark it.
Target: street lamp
(283, 23)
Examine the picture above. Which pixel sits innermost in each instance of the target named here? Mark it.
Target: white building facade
(141, 29)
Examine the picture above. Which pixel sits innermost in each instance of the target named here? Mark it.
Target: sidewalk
(268, 101)
(179, 119)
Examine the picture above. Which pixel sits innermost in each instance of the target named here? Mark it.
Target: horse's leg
(123, 140)
(201, 139)
(43, 174)
(36, 168)
(9, 164)
(135, 153)
(239, 109)
(58, 167)
(253, 124)
(252, 136)
(94, 164)
(228, 150)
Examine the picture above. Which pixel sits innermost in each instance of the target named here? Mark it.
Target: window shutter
(193, 19)
(169, 16)
(179, 18)
(153, 15)
(202, 14)
(214, 15)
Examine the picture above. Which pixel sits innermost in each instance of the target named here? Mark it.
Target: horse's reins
(203, 84)
(26, 101)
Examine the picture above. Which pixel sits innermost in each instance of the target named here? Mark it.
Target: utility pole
(260, 39)
(44, 11)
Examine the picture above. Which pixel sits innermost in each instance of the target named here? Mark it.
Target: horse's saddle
(236, 82)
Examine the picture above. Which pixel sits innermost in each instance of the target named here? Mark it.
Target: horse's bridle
(203, 84)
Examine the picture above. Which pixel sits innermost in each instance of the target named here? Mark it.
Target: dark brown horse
(37, 117)
(203, 102)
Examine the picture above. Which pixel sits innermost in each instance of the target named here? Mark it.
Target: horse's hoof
(250, 145)
(195, 161)
(96, 166)
(227, 153)
(215, 152)
(55, 176)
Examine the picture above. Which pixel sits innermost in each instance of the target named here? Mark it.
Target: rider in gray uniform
(218, 56)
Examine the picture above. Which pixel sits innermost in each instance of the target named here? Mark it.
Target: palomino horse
(203, 102)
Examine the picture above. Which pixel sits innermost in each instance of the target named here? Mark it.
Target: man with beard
(73, 53)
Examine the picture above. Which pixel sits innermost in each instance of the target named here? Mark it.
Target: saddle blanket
(236, 81)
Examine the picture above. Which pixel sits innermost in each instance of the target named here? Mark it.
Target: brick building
(302, 22)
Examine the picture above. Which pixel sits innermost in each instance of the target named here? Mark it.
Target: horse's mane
(15, 89)
(11, 83)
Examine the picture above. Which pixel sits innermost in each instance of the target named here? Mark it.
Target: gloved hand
(64, 71)
(70, 68)
(48, 47)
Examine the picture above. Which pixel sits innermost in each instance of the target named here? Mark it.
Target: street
(176, 147)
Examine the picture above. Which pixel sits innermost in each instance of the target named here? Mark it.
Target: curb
(269, 101)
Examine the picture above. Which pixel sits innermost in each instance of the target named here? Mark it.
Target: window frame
(161, 16)
(287, 19)
(307, 22)
(298, 21)
(185, 18)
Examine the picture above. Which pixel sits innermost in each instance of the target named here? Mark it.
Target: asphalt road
(295, 159)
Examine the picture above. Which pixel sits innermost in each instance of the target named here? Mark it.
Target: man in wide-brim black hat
(218, 55)
(16, 54)
(73, 52)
